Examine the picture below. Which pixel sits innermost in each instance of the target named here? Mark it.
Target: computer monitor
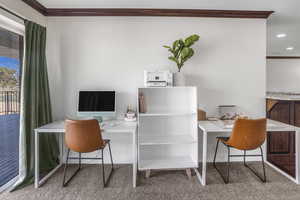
(97, 104)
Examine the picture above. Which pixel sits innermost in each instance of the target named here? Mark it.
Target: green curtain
(35, 106)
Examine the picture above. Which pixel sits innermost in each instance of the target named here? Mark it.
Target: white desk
(209, 127)
(58, 127)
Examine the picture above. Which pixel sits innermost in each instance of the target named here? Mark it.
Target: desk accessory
(228, 112)
(201, 115)
(130, 115)
(162, 78)
(142, 103)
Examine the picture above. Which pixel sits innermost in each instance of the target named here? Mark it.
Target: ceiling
(285, 19)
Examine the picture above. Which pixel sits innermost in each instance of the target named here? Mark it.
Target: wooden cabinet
(281, 145)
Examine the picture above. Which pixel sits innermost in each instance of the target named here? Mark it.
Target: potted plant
(181, 52)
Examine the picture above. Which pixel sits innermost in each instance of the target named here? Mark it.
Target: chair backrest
(83, 135)
(248, 134)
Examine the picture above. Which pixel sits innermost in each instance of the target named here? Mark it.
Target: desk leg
(204, 158)
(37, 181)
(134, 164)
(37, 166)
(61, 153)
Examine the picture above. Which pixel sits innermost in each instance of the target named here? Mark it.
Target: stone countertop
(283, 96)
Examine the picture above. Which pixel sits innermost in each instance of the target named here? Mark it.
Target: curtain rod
(14, 14)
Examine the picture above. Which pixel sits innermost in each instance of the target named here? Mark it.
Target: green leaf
(178, 47)
(189, 41)
(167, 47)
(191, 52)
(181, 43)
(185, 52)
(171, 50)
(175, 44)
(173, 59)
(176, 52)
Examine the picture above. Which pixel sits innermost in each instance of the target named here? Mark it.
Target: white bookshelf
(167, 136)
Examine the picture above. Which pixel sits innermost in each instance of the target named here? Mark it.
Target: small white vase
(179, 79)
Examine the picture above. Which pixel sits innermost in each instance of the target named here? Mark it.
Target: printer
(163, 78)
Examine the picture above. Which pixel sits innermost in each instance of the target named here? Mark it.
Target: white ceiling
(285, 20)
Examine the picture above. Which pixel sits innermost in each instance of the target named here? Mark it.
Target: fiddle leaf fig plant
(181, 50)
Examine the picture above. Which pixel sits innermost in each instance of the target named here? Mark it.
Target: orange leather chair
(84, 136)
(247, 134)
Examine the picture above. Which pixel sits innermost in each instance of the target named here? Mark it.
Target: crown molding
(158, 12)
(51, 12)
(283, 57)
(37, 6)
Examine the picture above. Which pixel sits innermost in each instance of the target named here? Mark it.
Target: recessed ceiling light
(281, 35)
(290, 48)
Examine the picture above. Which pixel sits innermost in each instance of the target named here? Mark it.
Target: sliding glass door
(11, 53)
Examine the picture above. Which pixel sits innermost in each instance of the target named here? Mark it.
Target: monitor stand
(99, 118)
(103, 119)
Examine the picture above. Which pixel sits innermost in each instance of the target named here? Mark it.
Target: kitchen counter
(283, 96)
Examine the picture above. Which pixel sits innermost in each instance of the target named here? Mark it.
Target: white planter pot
(179, 79)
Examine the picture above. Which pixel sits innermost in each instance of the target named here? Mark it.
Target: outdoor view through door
(11, 52)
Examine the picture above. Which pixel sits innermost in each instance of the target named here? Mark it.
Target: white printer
(163, 78)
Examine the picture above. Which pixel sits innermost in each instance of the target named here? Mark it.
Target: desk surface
(109, 126)
(218, 126)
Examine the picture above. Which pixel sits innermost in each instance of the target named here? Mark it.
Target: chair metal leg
(111, 159)
(263, 179)
(79, 160)
(217, 146)
(245, 157)
(225, 179)
(263, 164)
(103, 171)
(65, 168)
(65, 183)
(105, 182)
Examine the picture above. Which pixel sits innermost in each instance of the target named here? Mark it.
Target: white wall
(229, 66)
(112, 52)
(283, 75)
(24, 10)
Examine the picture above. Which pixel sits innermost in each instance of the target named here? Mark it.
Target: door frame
(16, 27)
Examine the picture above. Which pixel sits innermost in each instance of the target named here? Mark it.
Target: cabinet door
(280, 146)
(297, 113)
(280, 142)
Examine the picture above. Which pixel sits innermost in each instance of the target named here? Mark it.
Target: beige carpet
(162, 185)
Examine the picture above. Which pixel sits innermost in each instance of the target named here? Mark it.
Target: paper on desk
(228, 124)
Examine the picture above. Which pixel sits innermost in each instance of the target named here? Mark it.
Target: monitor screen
(96, 101)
